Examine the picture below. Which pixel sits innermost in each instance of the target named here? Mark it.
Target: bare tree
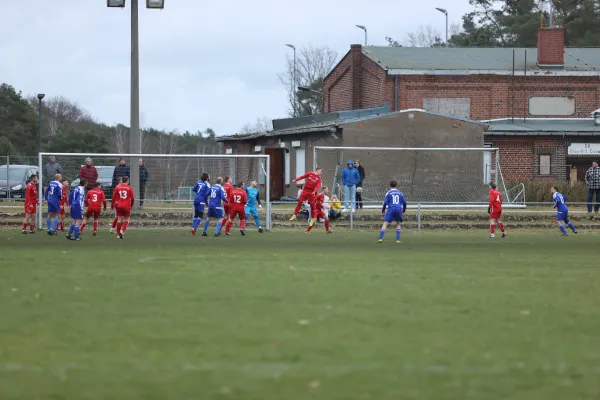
(312, 66)
(62, 113)
(120, 137)
(262, 124)
(424, 36)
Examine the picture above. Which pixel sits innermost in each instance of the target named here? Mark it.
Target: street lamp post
(294, 83)
(445, 12)
(364, 28)
(307, 89)
(134, 115)
(40, 97)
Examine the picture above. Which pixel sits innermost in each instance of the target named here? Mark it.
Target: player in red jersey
(63, 203)
(31, 203)
(495, 210)
(238, 201)
(94, 199)
(113, 206)
(318, 212)
(125, 200)
(228, 188)
(309, 190)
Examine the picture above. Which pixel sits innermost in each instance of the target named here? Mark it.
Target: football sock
(219, 225)
(118, 227)
(125, 226)
(381, 233)
(24, 226)
(114, 224)
(562, 229)
(48, 224)
(196, 222)
(242, 224)
(326, 224)
(77, 231)
(228, 226)
(570, 225)
(297, 209)
(492, 229)
(95, 226)
(397, 234)
(31, 227)
(71, 229)
(309, 228)
(257, 221)
(55, 224)
(501, 225)
(81, 228)
(205, 226)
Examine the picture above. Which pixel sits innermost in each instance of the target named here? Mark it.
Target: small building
(545, 149)
(291, 148)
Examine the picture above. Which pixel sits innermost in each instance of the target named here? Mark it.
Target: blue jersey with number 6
(395, 203)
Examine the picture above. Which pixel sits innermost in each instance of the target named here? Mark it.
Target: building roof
(543, 127)
(429, 60)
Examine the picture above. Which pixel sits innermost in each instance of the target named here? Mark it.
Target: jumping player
(562, 212)
(202, 189)
(309, 190)
(237, 206)
(76, 203)
(396, 206)
(253, 199)
(94, 199)
(318, 211)
(228, 188)
(31, 203)
(63, 203)
(113, 206)
(53, 197)
(125, 200)
(495, 210)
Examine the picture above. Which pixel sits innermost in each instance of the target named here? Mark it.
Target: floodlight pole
(134, 134)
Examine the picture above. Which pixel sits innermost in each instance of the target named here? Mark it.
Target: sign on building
(582, 149)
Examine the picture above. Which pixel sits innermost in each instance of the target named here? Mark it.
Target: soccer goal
(428, 177)
(164, 188)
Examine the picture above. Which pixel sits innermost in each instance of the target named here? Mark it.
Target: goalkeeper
(253, 200)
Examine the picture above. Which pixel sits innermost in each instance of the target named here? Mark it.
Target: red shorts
(240, 213)
(495, 214)
(226, 210)
(62, 210)
(95, 213)
(124, 212)
(30, 208)
(306, 196)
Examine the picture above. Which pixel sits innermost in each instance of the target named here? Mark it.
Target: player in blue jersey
(253, 200)
(53, 197)
(562, 212)
(215, 207)
(77, 203)
(396, 206)
(202, 190)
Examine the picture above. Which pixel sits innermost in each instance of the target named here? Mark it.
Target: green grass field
(164, 315)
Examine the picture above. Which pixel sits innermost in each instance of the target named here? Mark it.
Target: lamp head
(443, 10)
(291, 46)
(40, 96)
(364, 28)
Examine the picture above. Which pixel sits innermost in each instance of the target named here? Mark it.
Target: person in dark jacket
(143, 181)
(122, 170)
(359, 185)
(51, 168)
(89, 173)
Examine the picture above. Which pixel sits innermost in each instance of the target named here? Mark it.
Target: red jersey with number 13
(312, 184)
(495, 200)
(124, 195)
(238, 201)
(94, 199)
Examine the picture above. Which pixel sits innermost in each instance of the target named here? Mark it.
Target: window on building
(544, 164)
(286, 166)
(300, 163)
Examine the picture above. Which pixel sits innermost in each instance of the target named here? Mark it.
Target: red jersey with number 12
(313, 182)
(31, 194)
(495, 200)
(94, 199)
(124, 195)
(238, 201)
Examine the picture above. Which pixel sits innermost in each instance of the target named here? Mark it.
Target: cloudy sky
(202, 63)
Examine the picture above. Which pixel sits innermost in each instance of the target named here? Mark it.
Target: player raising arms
(495, 210)
(253, 199)
(396, 206)
(113, 206)
(202, 189)
(309, 190)
(562, 211)
(237, 205)
(215, 207)
(318, 211)
(125, 200)
(63, 203)
(53, 197)
(31, 203)
(94, 199)
(77, 202)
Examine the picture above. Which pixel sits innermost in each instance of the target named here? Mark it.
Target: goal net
(166, 180)
(451, 177)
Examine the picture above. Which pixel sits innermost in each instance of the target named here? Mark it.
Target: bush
(539, 192)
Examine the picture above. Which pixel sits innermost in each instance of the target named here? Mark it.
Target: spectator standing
(121, 171)
(592, 180)
(359, 185)
(89, 173)
(51, 168)
(143, 181)
(350, 178)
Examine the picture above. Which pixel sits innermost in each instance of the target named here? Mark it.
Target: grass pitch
(164, 315)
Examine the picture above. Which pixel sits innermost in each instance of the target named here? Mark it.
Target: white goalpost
(166, 194)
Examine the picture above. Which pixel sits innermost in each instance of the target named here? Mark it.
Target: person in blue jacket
(350, 177)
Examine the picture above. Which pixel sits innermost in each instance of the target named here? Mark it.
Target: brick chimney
(356, 70)
(551, 47)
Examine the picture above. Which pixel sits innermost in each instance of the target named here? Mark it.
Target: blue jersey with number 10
(217, 197)
(559, 203)
(394, 200)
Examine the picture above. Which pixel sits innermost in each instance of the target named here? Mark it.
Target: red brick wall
(551, 46)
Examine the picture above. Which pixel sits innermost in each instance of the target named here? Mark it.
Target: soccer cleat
(330, 231)
(94, 234)
(204, 234)
(242, 232)
(227, 234)
(217, 234)
(307, 232)
(397, 241)
(380, 241)
(112, 230)
(24, 232)
(503, 234)
(293, 218)
(492, 236)
(69, 237)
(32, 232)
(576, 232)
(193, 232)
(260, 230)
(49, 233)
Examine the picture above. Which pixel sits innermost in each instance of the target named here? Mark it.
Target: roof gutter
(507, 72)
(488, 133)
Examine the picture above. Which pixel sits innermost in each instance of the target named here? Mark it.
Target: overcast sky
(202, 63)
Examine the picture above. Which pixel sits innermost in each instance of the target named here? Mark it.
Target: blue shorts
(251, 211)
(199, 207)
(215, 212)
(53, 207)
(76, 213)
(393, 215)
(561, 216)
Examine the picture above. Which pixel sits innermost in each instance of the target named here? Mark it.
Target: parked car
(105, 174)
(14, 179)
